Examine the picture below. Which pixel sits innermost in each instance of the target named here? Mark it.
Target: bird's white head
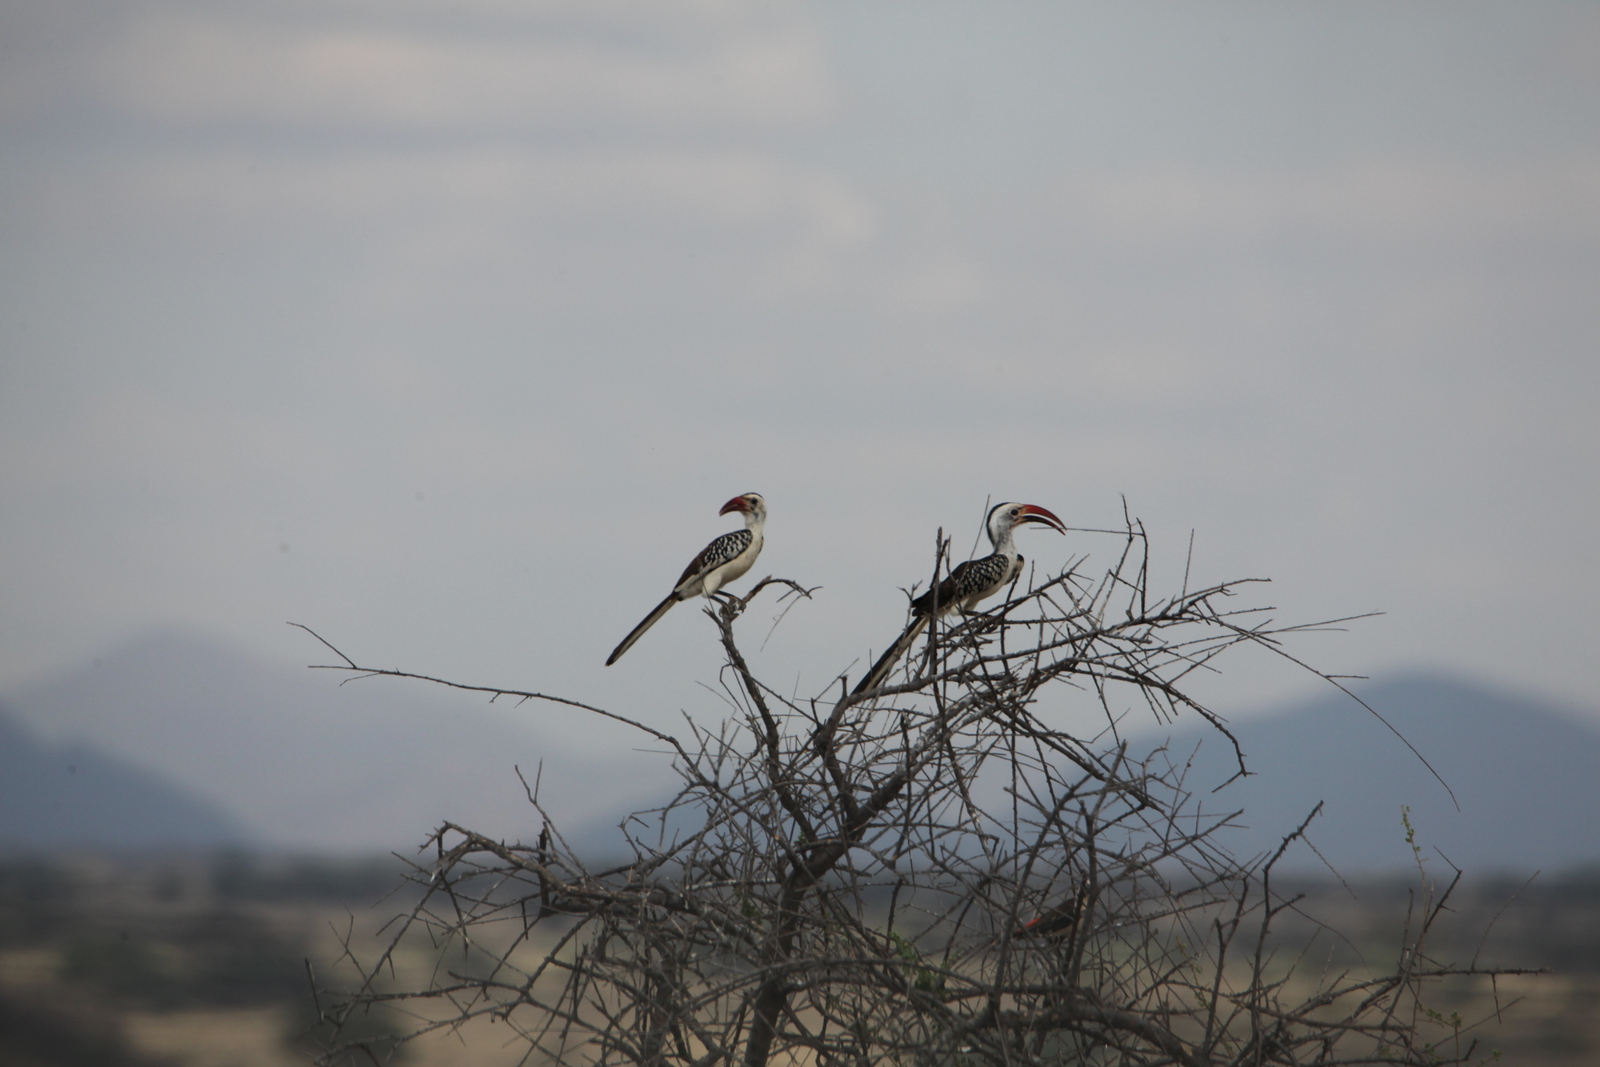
(753, 505)
(1003, 518)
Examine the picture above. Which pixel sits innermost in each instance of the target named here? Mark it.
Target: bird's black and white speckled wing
(967, 584)
(723, 550)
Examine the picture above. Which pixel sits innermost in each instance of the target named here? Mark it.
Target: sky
(446, 328)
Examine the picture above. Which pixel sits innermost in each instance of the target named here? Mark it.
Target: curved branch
(495, 692)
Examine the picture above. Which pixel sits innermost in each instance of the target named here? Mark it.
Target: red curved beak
(738, 503)
(1043, 516)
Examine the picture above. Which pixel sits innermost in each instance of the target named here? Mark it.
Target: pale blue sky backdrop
(446, 327)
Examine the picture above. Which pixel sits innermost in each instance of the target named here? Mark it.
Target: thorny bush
(932, 872)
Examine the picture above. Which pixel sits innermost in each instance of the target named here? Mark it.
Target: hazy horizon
(123, 748)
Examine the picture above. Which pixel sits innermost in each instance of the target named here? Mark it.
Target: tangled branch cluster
(932, 872)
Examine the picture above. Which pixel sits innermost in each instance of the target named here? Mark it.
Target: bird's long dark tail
(638, 631)
(880, 670)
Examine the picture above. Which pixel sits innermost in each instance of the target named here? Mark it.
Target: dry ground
(190, 962)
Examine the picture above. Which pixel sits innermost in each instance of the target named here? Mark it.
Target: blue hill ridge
(74, 795)
(1525, 771)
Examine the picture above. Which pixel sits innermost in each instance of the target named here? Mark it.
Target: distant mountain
(301, 762)
(208, 744)
(1526, 773)
(75, 795)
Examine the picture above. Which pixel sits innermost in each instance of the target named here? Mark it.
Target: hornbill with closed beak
(719, 563)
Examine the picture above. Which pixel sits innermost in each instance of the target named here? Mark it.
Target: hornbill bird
(719, 563)
(967, 584)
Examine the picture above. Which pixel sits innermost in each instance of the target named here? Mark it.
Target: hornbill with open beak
(967, 584)
(719, 563)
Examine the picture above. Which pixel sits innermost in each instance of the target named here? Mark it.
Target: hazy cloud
(419, 68)
(482, 309)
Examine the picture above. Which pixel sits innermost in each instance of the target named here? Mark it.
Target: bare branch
(928, 871)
